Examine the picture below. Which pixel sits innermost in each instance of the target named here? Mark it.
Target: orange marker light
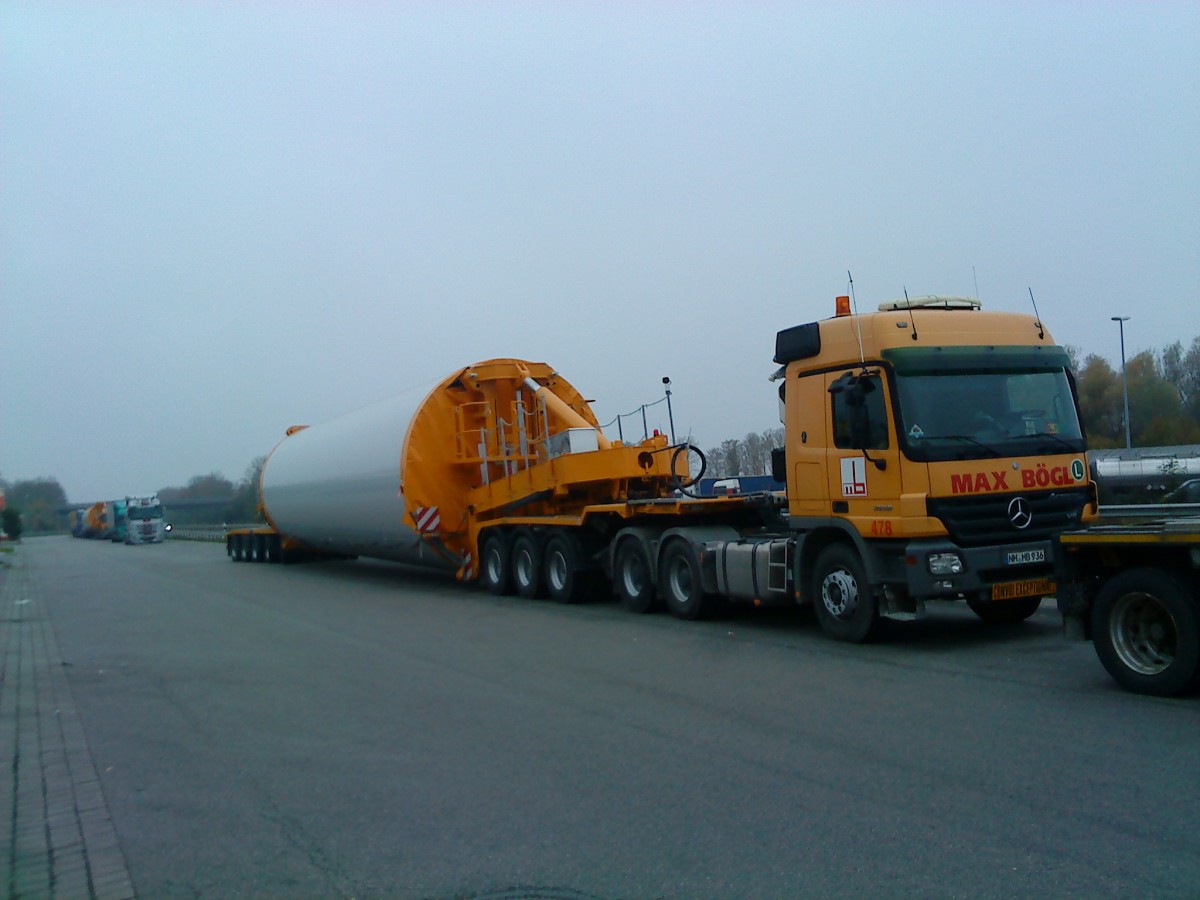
(843, 306)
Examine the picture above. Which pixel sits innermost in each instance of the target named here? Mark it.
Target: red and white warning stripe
(428, 519)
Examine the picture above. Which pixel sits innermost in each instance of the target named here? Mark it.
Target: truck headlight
(945, 564)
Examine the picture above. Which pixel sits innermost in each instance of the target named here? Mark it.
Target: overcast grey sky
(220, 219)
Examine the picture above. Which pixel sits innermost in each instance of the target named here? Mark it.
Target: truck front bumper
(1023, 569)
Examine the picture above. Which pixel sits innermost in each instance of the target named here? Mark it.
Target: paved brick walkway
(57, 837)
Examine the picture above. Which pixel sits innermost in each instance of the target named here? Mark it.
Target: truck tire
(680, 585)
(1146, 628)
(560, 569)
(845, 602)
(1005, 612)
(631, 577)
(494, 569)
(527, 566)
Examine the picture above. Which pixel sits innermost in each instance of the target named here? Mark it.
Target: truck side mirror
(779, 465)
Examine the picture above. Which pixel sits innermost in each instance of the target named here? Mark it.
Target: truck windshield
(145, 512)
(977, 414)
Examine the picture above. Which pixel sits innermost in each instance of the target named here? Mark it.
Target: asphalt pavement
(361, 729)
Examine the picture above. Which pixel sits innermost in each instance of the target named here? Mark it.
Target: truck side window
(859, 413)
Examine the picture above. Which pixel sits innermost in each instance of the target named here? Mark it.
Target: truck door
(864, 457)
(806, 430)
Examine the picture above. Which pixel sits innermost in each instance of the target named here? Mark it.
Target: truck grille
(985, 519)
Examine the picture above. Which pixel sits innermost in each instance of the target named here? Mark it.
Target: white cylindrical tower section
(336, 486)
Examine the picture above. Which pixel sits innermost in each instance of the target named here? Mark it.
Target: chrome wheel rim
(839, 593)
(633, 575)
(558, 571)
(680, 581)
(524, 568)
(1144, 634)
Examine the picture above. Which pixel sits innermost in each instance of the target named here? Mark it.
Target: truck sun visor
(797, 342)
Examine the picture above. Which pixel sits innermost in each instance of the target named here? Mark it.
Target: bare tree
(756, 456)
(731, 456)
(1182, 370)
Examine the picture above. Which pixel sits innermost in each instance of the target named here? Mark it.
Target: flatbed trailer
(1133, 589)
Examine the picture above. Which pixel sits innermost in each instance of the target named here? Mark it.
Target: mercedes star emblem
(1019, 512)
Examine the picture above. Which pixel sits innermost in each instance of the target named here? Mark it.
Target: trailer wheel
(680, 584)
(239, 548)
(1146, 629)
(527, 566)
(844, 601)
(632, 579)
(560, 565)
(1005, 612)
(494, 569)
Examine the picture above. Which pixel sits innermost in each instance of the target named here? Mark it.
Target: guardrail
(1149, 510)
(212, 533)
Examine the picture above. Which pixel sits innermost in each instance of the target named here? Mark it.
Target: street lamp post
(670, 415)
(1121, 320)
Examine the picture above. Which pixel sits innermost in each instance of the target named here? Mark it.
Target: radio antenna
(976, 280)
(1037, 317)
(862, 357)
(908, 303)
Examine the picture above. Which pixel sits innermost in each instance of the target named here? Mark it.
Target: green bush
(12, 522)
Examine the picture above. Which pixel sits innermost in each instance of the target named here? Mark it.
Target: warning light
(843, 306)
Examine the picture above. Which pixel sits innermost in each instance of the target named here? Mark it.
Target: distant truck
(117, 532)
(144, 520)
(932, 451)
(1133, 589)
(96, 520)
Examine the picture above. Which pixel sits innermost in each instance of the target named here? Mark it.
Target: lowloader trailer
(932, 451)
(1133, 589)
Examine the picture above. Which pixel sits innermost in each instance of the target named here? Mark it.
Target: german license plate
(1031, 587)
(1024, 557)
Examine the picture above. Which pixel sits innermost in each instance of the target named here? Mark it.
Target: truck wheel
(1146, 629)
(1005, 612)
(527, 566)
(631, 577)
(679, 582)
(494, 569)
(845, 602)
(560, 565)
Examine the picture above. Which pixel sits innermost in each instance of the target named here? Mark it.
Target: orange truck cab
(933, 451)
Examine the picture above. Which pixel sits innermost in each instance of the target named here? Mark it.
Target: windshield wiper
(964, 437)
(1073, 446)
